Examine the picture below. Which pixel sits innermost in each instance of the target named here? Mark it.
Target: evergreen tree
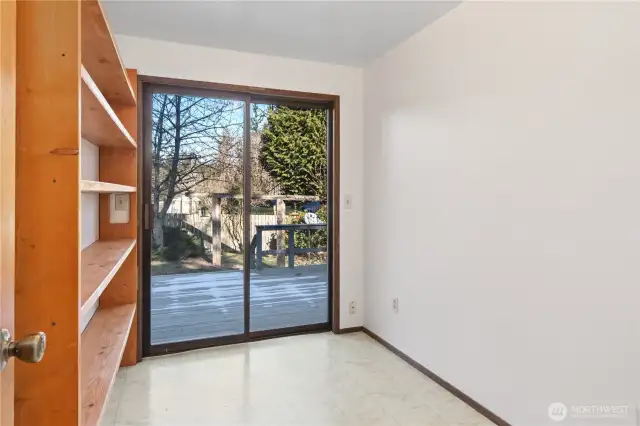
(294, 149)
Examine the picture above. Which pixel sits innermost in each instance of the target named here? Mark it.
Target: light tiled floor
(311, 380)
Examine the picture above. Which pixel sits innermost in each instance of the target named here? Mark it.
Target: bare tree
(189, 135)
(227, 177)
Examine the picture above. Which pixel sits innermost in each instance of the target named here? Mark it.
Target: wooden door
(7, 192)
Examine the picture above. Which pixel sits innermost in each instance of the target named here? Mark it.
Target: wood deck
(210, 304)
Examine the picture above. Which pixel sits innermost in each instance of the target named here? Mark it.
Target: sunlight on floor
(316, 380)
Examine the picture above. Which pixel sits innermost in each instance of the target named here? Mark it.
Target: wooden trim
(48, 251)
(100, 263)
(147, 84)
(104, 187)
(439, 380)
(144, 230)
(335, 216)
(7, 194)
(142, 220)
(349, 330)
(258, 94)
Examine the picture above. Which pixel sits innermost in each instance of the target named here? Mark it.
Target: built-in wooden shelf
(102, 346)
(104, 187)
(72, 87)
(100, 56)
(100, 124)
(99, 264)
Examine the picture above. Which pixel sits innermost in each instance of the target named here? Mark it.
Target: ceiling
(338, 32)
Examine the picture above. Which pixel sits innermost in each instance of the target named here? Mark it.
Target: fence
(232, 229)
(231, 237)
(231, 234)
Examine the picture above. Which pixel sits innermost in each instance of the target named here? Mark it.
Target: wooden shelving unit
(103, 345)
(100, 56)
(104, 187)
(100, 263)
(68, 273)
(100, 124)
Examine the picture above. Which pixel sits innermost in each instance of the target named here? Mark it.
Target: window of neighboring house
(204, 212)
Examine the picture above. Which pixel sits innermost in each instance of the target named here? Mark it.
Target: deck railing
(290, 251)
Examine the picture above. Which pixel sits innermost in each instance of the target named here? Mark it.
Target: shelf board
(101, 58)
(100, 124)
(104, 187)
(101, 349)
(99, 263)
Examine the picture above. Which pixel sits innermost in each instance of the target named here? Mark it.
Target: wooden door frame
(8, 51)
(252, 94)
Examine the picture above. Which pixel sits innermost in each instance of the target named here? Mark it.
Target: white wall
(502, 170)
(89, 208)
(159, 58)
(89, 203)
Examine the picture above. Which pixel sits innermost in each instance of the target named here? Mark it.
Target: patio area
(210, 304)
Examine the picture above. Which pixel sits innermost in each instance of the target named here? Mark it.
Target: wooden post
(280, 214)
(216, 232)
(292, 248)
(258, 248)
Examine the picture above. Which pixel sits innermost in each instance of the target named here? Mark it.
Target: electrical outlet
(352, 307)
(394, 305)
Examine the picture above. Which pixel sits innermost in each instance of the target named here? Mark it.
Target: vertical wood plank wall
(48, 140)
(7, 191)
(121, 165)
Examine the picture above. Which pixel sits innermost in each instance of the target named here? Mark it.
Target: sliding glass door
(289, 271)
(236, 233)
(197, 176)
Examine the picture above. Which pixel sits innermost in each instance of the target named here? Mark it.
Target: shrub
(178, 244)
(310, 238)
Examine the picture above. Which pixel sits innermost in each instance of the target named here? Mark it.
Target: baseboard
(349, 330)
(439, 380)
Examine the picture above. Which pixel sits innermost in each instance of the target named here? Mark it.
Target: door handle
(30, 349)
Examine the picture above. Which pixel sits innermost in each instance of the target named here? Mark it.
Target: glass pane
(197, 250)
(289, 284)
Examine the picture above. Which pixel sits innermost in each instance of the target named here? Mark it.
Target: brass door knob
(30, 349)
